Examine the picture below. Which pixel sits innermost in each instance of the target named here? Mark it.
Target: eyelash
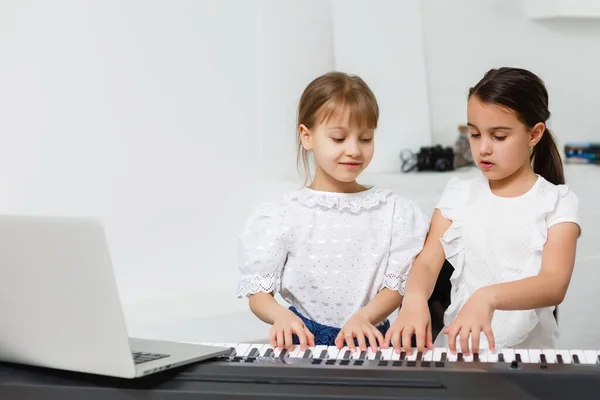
(478, 135)
(341, 140)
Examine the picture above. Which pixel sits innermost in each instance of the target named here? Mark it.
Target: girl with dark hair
(510, 234)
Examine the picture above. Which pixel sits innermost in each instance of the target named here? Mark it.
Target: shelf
(562, 9)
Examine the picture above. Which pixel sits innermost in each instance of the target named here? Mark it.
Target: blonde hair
(328, 95)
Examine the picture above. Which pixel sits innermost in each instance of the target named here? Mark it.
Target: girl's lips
(486, 164)
(351, 165)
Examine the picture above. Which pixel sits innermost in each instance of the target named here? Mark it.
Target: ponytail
(546, 159)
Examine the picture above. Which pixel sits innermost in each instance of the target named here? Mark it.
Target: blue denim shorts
(325, 335)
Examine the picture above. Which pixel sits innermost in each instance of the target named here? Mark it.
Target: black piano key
(598, 359)
(307, 354)
(575, 359)
(363, 355)
(559, 359)
(268, 353)
(444, 356)
(402, 356)
(284, 353)
(459, 357)
(254, 352)
(543, 359)
(419, 356)
(518, 358)
(347, 355)
(475, 357)
(323, 354)
(378, 355)
(500, 357)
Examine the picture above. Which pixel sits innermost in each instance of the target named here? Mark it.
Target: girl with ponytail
(510, 234)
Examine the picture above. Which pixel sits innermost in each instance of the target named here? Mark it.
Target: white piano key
(316, 352)
(492, 356)
(396, 356)
(428, 355)
(343, 352)
(437, 353)
(579, 354)
(591, 356)
(524, 353)
(264, 349)
(483, 355)
(451, 357)
(468, 358)
(550, 355)
(242, 348)
(332, 352)
(535, 356)
(371, 354)
(566, 356)
(509, 355)
(413, 356)
(277, 351)
(386, 354)
(295, 353)
(358, 353)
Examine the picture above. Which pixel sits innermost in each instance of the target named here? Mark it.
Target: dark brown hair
(327, 96)
(525, 93)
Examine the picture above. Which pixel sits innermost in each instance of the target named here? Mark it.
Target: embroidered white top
(328, 254)
(496, 239)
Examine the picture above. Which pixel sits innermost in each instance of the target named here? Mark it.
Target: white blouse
(328, 254)
(496, 239)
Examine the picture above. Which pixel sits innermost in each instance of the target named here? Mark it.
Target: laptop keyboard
(141, 357)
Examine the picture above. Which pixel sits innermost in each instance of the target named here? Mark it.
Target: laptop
(60, 307)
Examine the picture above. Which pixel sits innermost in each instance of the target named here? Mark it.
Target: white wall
(465, 38)
(381, 40)
(150, 115)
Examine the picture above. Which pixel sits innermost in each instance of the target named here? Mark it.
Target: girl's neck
(326, 183)
(516, 184)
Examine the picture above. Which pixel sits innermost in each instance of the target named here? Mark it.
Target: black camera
(435, 158)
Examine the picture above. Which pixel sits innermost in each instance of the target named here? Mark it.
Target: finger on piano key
(372, 354)
(469, 358)
(591, 356)
(333, 352)
(563, 356)
(535, 356)
(453, 357)
(345, 353)
(413, 355)
(386, 354)
(522, 355)
(294, 353)
(550, 355)
(319, 351)
(428, 355)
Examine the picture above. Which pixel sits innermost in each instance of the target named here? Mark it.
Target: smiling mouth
(351, 165)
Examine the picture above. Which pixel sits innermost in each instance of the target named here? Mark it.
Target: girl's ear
(536, 133)
(305, 137)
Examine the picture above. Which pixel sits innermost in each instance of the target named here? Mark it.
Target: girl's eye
(338, 140)
(475, 135)
(500, 137)
(367, 140)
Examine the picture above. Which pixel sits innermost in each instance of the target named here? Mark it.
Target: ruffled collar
(352, 202)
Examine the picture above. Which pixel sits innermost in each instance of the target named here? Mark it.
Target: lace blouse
(328, 254)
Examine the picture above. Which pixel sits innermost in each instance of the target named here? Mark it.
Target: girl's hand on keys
(285, 324)
(474, 317)
(359, 327)
(413, 318)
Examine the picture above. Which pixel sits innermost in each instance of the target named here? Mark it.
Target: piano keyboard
(344, 356)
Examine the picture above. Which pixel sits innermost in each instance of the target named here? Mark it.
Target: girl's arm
(426, 268)
(549, 287)
(382, 305)
(265, 307)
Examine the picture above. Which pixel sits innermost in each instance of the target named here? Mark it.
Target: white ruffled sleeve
(409, 229)
(262, 251)
(566, 209)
